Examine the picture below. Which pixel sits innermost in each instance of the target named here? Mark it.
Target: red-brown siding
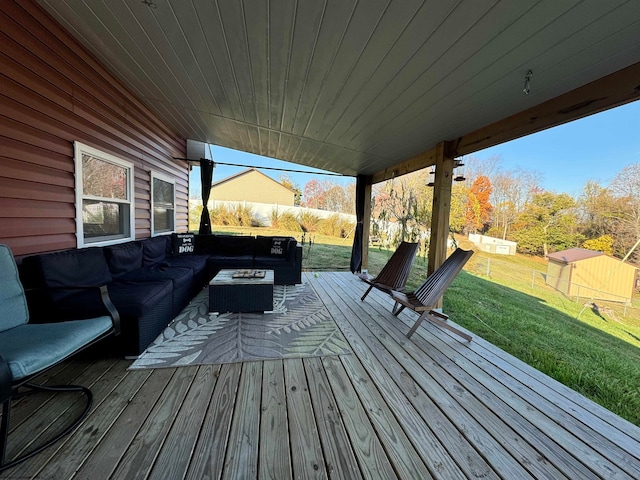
(53, 92)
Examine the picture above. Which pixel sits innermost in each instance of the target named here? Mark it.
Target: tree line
(507, 204)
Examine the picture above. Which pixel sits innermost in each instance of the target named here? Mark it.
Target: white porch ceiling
(344, 85)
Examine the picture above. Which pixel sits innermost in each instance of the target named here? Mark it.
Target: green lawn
(594, 353)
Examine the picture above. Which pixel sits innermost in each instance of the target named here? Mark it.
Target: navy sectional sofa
(149, 281)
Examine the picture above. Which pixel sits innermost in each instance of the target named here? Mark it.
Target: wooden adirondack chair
(395, 272)
(424, 299)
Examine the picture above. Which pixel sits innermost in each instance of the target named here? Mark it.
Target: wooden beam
(441, 207)
(413, 164)
(366, 225)
(608, 92)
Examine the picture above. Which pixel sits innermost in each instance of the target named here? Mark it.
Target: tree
(335, 199)
(478, 209)
(402, 201)
(600, 244)
(475, 167)
(548, 222)
(313, 196)
(457, 217)
(287, 181)
(625, 187)
(511, 191)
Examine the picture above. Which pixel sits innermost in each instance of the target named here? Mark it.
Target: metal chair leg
(6, 414)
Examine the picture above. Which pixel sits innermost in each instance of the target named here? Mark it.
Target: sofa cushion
(155, 249)
(217, 262)
(204, 244)
(131, 299)
(123, 258)
(135, 299)
(178, 275)
(183, 243)
(233, 245)
(194, 262)
(85, 267)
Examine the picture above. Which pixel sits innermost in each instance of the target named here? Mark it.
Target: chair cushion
(14, 304)
(29, 349)
(155, 249)
(123, 258)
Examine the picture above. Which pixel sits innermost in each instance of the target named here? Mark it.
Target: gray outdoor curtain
(206, 178)
(356, 250)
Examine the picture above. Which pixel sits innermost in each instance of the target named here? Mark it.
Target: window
(104, 197)
(163, 200)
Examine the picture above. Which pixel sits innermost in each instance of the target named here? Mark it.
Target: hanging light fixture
(460, 176)
(527, 82)
(432, 177)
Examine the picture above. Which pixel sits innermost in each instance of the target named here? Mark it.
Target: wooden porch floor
(429, 407)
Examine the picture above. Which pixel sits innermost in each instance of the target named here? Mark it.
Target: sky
(593, 148)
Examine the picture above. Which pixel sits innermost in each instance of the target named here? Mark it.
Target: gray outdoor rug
(300, 326)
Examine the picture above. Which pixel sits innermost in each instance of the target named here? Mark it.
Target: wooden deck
(429, 407)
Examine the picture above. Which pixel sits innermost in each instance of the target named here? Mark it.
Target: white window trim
(79, 149)
(172, 181)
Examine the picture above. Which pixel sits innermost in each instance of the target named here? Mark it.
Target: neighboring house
(493, 245)
(577, 272)
(251, 185)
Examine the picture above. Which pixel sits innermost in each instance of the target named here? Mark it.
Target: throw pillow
(183, 243)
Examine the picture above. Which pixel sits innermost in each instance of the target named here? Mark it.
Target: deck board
(430, 407)
(274, 462)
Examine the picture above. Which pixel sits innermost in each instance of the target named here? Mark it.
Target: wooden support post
(441, 207)
(366, 225)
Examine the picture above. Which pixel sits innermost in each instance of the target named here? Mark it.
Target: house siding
(252, 186)
(52, 93)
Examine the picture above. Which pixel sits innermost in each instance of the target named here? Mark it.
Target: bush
(238, 216)
(309, 222)
(284, 221)
(335, 226)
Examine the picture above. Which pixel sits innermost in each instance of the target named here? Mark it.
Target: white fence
(262, 211)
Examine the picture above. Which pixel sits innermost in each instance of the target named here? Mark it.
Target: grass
(593, 353)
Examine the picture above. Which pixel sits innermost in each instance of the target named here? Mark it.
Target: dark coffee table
(242, 294)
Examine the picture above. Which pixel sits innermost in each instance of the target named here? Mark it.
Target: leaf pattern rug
(299, 326)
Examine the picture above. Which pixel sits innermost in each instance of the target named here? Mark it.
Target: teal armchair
(27, 350)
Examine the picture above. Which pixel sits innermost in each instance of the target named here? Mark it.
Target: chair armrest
(113, 311)
(106, 301)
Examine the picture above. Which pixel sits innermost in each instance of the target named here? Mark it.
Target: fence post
(533, 278)
(488, 267)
